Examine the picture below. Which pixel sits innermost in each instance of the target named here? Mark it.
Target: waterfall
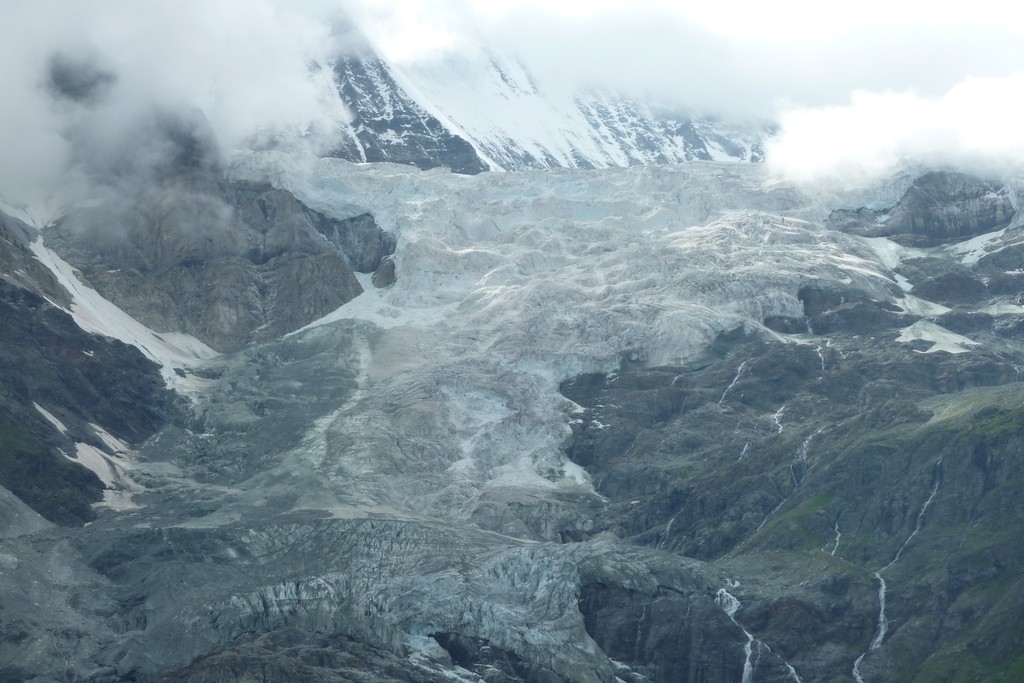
(880, 630)
(739, 371)
(730, 605)
(769, 515)
(803, 454)
(777, 417)
(746, 449)
(936, 480)
(639, 626)
(665, 533)
(883, 621)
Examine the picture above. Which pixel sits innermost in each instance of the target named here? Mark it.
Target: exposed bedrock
(939, 208)
(229, 264)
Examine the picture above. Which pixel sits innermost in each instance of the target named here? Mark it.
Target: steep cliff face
(834, 466)
(389, 125)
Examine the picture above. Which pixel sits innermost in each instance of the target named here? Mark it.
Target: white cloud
(244, 63)
(974, 123)
(852, 83)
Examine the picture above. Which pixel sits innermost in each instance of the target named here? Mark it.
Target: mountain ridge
(490, 112)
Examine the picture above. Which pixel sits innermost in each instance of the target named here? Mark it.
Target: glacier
(510, 284)
(419, 471)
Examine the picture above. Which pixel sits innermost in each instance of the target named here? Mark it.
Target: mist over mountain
(495, 342)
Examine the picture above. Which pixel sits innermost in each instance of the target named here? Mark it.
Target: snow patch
(113, 444)
(60, 426)
(119, 488)
(921, 307)
(891, 254)
(1004, 308)
(941, 338)
(95, 314)
(971, 251)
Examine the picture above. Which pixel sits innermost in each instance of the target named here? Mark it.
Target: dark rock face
(480, 657)
(385, 276)
(227, 263)
(820, 298)
(859, 317)
(18, 265)
(360, 239)
(46, 359)
(390, 126)
(949, 207)
(940, 208)
(294, 655)
(816, 462)
(1007, 259)
(963, 322)
(831, 308)
(952, 289)
(651, 635)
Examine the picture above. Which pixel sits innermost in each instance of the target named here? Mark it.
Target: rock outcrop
(388, 125)
(939, 208)
(228, 263)
(56, 381)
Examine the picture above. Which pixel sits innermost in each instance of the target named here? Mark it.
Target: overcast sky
(851, 84)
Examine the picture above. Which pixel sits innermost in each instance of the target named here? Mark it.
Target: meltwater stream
(883, 622)
(730, 605)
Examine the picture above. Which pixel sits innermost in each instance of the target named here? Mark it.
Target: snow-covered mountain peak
(484, 102)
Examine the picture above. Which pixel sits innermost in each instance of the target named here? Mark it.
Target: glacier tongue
(509, 284)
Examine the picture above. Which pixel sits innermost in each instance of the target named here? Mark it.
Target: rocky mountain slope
(226, 262)
(685, 423)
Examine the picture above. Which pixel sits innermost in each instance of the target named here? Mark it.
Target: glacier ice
(510, 283)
